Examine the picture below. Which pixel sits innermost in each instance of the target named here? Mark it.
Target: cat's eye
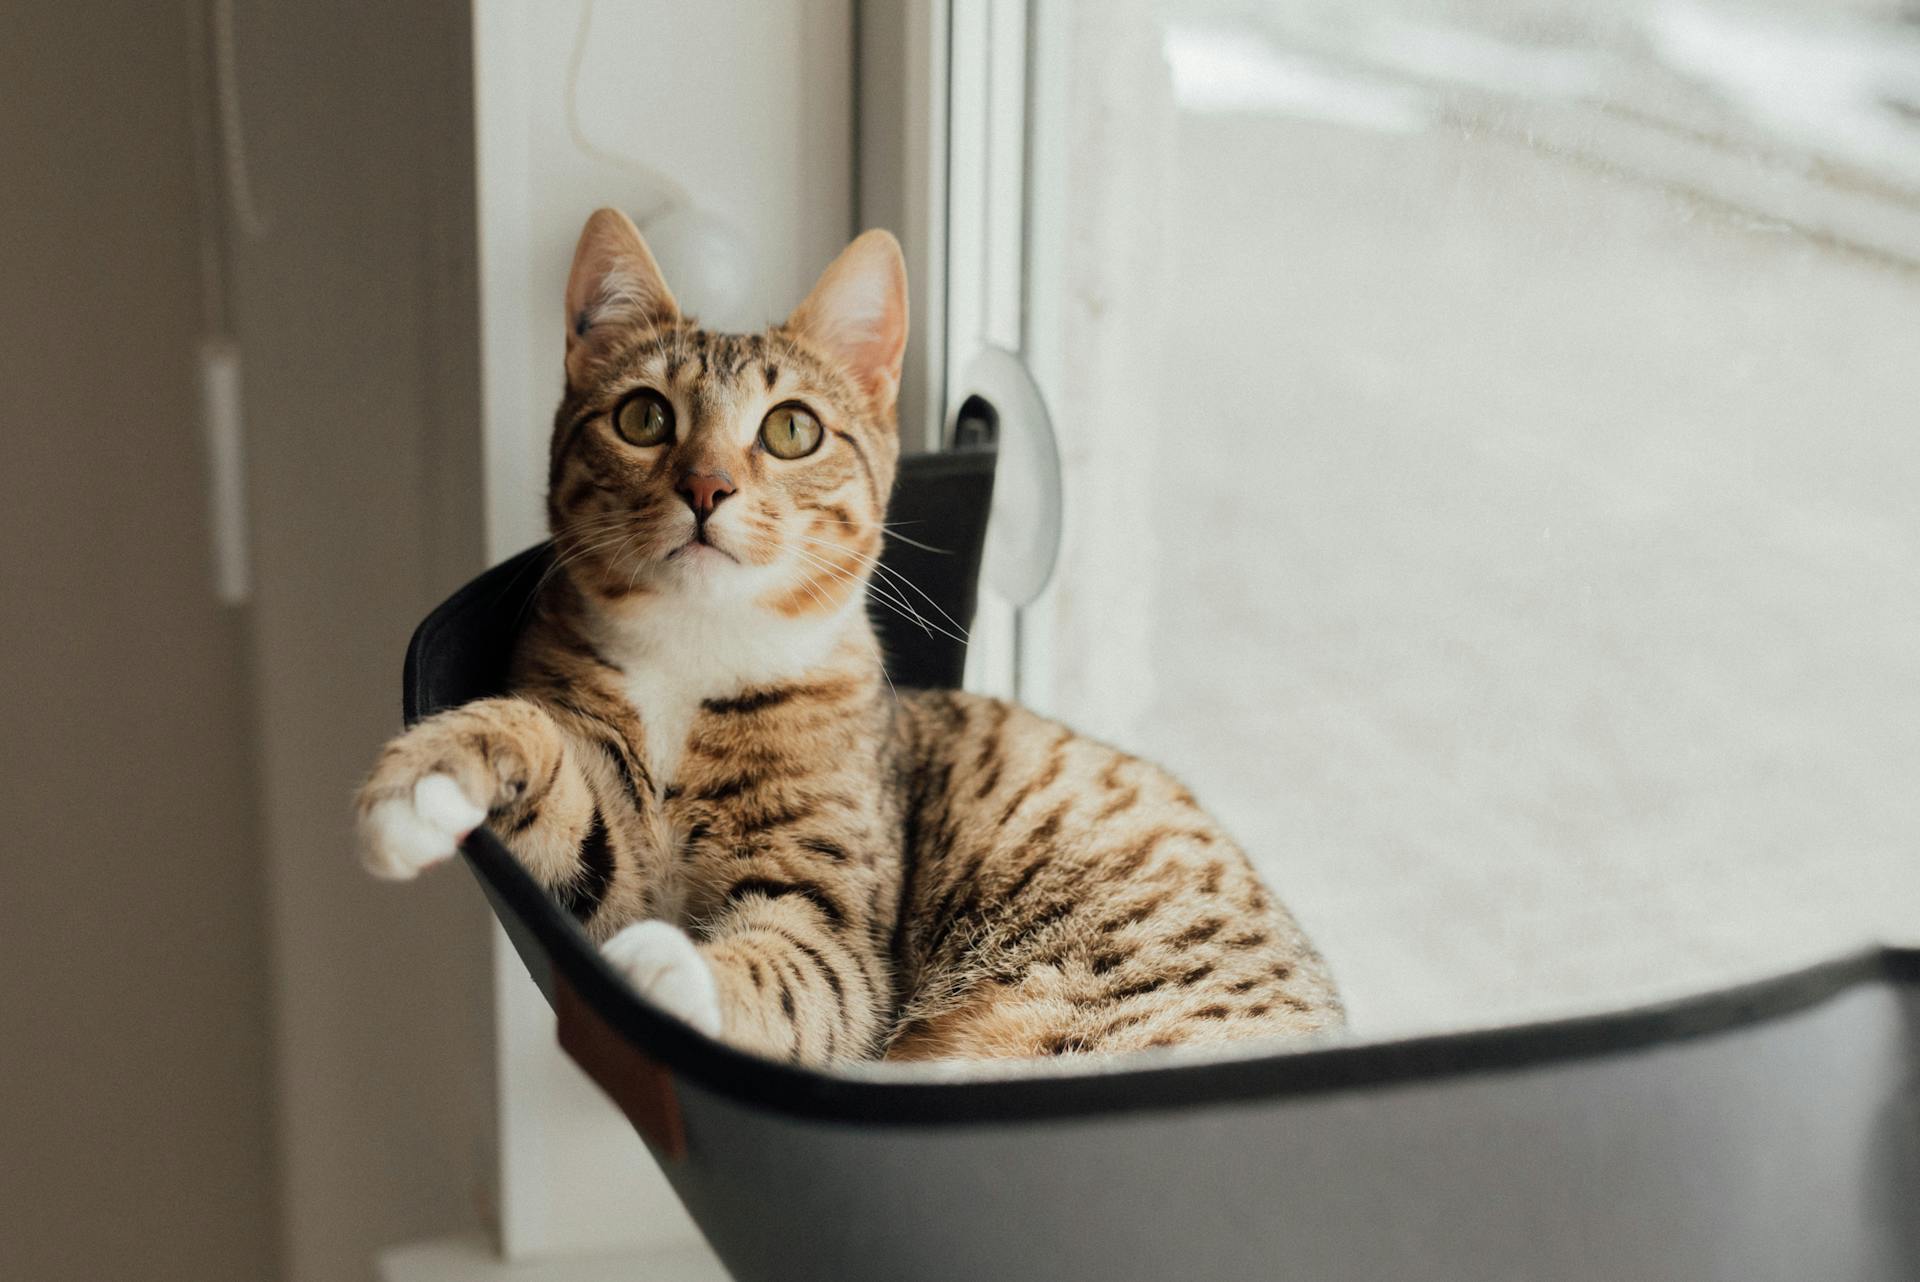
(790, 431)
(644, 418)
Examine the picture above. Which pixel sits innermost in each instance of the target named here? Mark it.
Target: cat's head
(738, 467)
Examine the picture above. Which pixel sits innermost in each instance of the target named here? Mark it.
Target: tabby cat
(703, 760)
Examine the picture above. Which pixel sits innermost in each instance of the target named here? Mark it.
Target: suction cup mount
(1000, 407)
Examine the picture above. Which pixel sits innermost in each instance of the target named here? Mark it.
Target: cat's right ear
(615, 287)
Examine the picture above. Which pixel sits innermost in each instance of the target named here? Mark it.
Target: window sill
(472, 1258)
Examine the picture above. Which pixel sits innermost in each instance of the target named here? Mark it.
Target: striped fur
(702, 734)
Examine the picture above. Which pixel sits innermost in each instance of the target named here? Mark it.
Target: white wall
(742, 111)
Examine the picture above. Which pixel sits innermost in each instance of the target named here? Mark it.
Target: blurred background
(1487, 431)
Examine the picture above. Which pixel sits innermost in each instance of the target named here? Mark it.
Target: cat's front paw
(402, 835)
(440, 780)
(663, 963)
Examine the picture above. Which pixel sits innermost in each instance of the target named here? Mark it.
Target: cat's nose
(704, 490)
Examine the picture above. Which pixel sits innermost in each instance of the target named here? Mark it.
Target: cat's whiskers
(891, 533)
(575, 554)
(841, 574)
(581, 551)
(890, 530)
(827, 606)
(894, 576)
(639, 563)
(595, 540)
(888, 678)
(883, 592)
(814, 592)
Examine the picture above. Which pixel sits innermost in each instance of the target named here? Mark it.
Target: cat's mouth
(700, 547)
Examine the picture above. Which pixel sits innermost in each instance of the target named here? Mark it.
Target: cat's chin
(703, 570)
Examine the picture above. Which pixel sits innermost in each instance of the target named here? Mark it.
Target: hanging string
(677, 196)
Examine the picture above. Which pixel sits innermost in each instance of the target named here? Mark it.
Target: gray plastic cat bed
(1764, 1132)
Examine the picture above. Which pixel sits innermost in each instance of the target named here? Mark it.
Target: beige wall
(134, 1123)
(356, 312)
(227, 1053)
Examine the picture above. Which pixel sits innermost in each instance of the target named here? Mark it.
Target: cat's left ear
(615, 286)
(857, 314)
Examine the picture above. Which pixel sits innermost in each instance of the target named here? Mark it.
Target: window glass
(1491, 456)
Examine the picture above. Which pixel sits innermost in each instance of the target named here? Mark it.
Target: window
(1483, 431)
(1488, 462)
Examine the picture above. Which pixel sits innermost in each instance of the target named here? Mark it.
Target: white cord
(233, 144)
(677, 196)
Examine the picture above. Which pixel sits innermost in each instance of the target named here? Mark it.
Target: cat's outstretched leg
(499, 761)
(508, 763)
(786, 964)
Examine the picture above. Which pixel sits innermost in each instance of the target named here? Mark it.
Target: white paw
(402, 835)
(660, 961)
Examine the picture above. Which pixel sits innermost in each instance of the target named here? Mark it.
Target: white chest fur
(676, 655)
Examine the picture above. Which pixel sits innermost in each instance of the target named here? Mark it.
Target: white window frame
(944, 154)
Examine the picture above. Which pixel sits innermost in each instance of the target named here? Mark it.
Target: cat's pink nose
(704, 490)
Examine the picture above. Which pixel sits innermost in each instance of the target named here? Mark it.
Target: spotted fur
(703, 760)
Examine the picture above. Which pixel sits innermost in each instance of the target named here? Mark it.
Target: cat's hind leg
(666, 966)
(783, 969)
